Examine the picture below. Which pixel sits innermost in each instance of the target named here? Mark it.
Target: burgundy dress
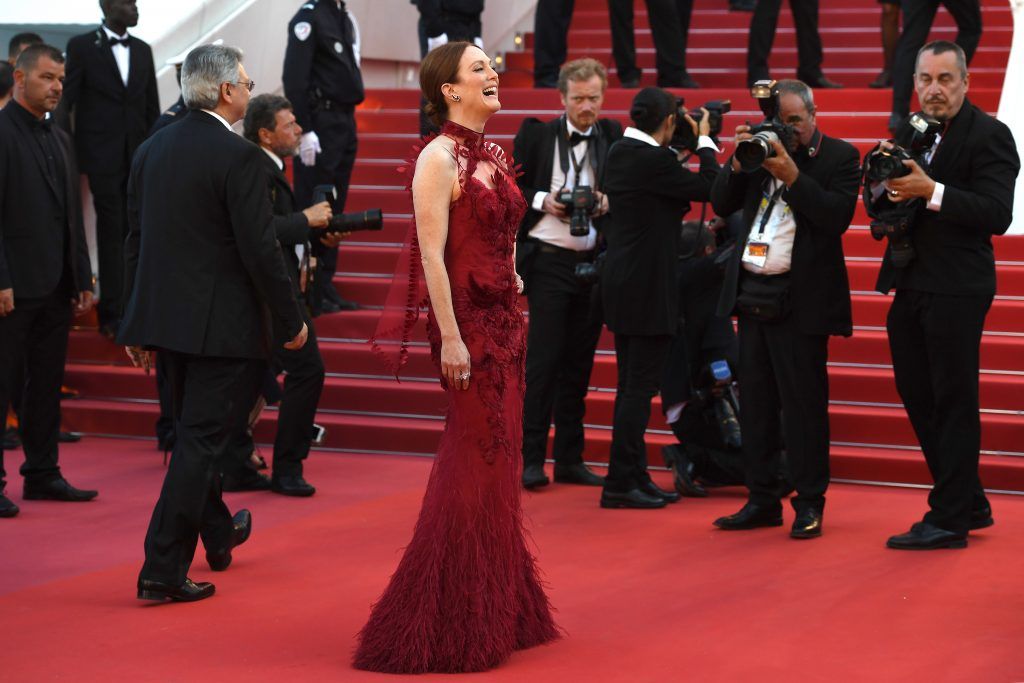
(466, 592)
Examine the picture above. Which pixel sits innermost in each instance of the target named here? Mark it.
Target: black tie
(118, 41)
(577, 138)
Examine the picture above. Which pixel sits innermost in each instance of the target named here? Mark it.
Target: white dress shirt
(219, 118)
(121, 55)
(779, 234)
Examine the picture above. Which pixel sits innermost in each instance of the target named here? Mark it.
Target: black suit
(649, 193)
(202, 266)
(918, 16)
(45, 260)
(565, 319)
(937, 317)
(670, 28)
(784, 364)
(111, 120)
(762, 34)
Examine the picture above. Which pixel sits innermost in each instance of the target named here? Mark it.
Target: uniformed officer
(323, 82)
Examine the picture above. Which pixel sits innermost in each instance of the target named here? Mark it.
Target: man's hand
(916, 184)
(318, 215)
(742, 133)
(782, 165)
(83, 303)
(600, 204)
(6, 301)
(140, 357)
(555, 207)
(299, 341)
(333, 239)
(309, 147)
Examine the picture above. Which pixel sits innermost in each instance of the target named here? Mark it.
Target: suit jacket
(534, 151)
(290, 224)
(110, 119)
(823, 200)
(34, 212)
(201, 258)
(977, 162)
(649, 192)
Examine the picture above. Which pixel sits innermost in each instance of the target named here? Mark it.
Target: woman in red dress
(466, 593)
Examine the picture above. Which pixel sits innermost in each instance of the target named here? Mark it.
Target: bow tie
(577, 138)
(118, 41)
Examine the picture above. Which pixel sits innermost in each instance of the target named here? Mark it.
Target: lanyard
(768, 212)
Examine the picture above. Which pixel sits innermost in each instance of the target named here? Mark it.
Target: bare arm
(433, 186)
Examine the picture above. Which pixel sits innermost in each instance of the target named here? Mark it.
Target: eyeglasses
(249, 85)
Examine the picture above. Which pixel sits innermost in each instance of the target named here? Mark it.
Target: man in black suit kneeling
(787, 282)
(202, 265)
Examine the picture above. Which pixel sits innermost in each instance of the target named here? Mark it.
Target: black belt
(578, 256)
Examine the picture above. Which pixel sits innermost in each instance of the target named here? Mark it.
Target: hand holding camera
(554, 207)
(916, 184)
(318, 215)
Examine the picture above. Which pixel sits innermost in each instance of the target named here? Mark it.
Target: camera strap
(566, 154)
(773, 199)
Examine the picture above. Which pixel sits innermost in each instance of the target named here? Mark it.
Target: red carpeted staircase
(366, 411)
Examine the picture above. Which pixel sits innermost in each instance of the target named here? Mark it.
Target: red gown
(466, 592)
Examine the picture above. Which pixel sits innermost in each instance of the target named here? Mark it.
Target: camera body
(753, 152)
(684, 137)
(370, 219)
(589, 272)
(885, 164)
(579, 202)
(717, 389)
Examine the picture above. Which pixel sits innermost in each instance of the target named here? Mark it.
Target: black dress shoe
(576, 474)
(883, 80)
(7, 507)
(57, 489)
(676, 459)
(822, 83)
(186, 592)
(68, 437)
(630, 83)
(11, 439)
(248, 480)
(806, 525)
(292, 486)
(634, 498)
(652, 489)
(241, 528)
(685, 81)
(742, 5)
(925, 536)
(534, 477)
(981, 519)
(751, 516)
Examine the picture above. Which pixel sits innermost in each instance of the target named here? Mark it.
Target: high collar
(812, 149)
(465, 136)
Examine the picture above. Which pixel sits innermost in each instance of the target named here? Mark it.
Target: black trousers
(784, 370)
(762, 35)
(640, 361)
(34, 338)
(550, 33)
(918, 16)
(336, 129)
(303, 383)
(935, 342)
(565, 324)
(165, 422)
(670, 29)
(212, 398)
(109, 197)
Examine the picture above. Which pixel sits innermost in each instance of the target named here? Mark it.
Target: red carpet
(644, 596)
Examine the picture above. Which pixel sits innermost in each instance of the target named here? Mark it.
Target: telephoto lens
(753, 152)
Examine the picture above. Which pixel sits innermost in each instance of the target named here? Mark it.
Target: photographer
(270, 123)
(649, 192)
(564, 156)
(945, 288)
(787, 282)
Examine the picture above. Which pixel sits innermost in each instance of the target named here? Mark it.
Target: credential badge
(302, 30)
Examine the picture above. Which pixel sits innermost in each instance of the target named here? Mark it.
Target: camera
(717, 389)
(753, 152)
(580, 202)
(370, 219)
(589, 272)
(684, 137)
(885, 164)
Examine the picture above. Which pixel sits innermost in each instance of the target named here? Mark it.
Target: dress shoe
(11, 439)
(331, 295)
(925, 536)
(742, 5)
(241, 528)
(109, 330)
(823, 83)
(981, 519)
(883, 80)
(634, 498)
(534, 477)
(685, 81)
(576, 474)
(630, 83)
(68, 437)
(652, 489)
(751, 516)
(57, 489)
(292, 486)
(186, 592)
(675, 459)
(807, 524)
(7, 507)
(248, 480)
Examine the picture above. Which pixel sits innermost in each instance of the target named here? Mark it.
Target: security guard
(323, 82)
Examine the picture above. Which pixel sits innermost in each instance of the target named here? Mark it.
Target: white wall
(1011, 107)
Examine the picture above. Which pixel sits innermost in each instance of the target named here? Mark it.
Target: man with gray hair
(202, 264)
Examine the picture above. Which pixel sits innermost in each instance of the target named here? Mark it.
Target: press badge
(756, 253)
